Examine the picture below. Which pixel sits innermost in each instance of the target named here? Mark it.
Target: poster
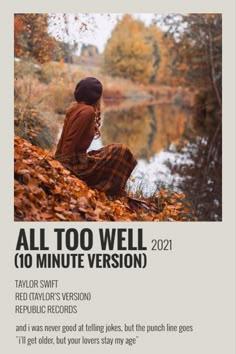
(173, 285)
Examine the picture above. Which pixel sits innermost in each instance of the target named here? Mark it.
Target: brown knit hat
(88, 90)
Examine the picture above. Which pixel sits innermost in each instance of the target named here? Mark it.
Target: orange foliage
(45, 191)
(31, 37)
(195, 50)
(19, 29)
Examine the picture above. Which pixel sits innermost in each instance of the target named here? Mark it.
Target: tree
(32, 38)
(132, 51)
(65, 51)
(165, 44)
(198, 50)
(197, 63)
(89, 50)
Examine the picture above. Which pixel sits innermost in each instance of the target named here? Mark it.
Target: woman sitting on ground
(106, 169)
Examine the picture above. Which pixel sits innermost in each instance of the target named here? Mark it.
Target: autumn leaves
(45, 191)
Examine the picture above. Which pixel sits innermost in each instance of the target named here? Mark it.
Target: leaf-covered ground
(45, 191)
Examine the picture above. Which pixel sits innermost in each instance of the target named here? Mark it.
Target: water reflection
(169, 152)
(136, 128)
(149, 132)
(145, 130)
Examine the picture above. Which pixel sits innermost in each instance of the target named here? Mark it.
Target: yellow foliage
(130, 51)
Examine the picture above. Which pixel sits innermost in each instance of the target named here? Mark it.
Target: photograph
(118, 117)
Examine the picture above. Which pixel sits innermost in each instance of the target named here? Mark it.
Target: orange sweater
(78, 132)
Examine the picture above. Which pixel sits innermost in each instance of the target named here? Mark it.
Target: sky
(92, 28)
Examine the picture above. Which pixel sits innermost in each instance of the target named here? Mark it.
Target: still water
(152, 134)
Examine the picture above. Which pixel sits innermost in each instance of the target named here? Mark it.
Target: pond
(152, 133)
(172, 152)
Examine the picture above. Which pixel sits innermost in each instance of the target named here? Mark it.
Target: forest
(162, 98)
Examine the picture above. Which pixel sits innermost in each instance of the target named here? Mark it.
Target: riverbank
(45, 191)
(50, 87)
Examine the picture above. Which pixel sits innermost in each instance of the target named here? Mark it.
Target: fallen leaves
(46, 191)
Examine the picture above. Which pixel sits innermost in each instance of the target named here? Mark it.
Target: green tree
(89, 50)
(132, 51)
(65, 51)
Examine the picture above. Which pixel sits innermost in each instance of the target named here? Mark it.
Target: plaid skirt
(106, 169)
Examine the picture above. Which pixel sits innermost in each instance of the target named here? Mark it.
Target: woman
(106, 169)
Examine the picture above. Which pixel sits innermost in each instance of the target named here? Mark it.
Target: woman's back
(106, 169)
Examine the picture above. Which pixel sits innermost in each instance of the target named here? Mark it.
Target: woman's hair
(97, 108)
